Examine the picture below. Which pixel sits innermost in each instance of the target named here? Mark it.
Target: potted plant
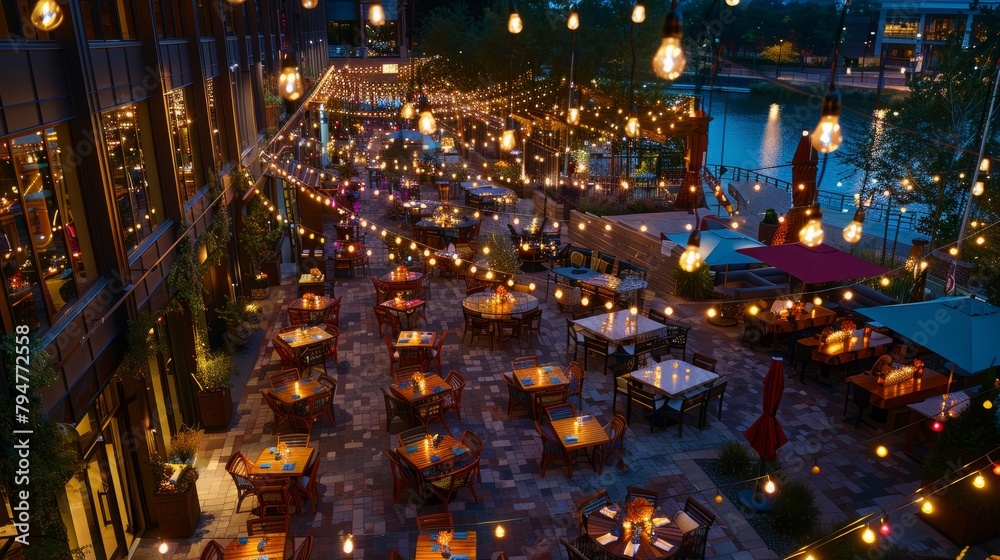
(242, 318)
(214, 375)
(966, 512)
(258, 240)
(768, 226)
(176, 494)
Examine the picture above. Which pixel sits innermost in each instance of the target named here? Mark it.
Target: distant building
(910, 32)
(352, 34)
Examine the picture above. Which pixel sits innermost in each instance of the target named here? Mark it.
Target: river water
(756, 133)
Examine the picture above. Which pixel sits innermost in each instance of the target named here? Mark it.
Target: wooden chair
(381, 290)
(642, 349)
(598, 346)
(524, 362)
(307, 486)
(435, 521)
(507, 329)
(693, 541)
(717, 391)
(577, 375)
(678, 408)
(559, 412)
(402, 476)
(283, 378)
(437, 351)
(212, 551)
(268, 525)
(314, 357)
(238, 468)
(574, 334)
(540, 400)
(576, 258)
(274, 497)
(289, 359)
(531, 322)
(411, 435)
(403, 374)
(619, 371)
(633, 492)
(403, 358)
(516, 397)
(294, 440)
(706, 363)
(645, 400)
(616, 443)
(661, 348)
(658, 316)
(571, 551)
(331, 316)
(328, 382)
(677, 335)
(475, 290)
(303, 551)
(453, 401)
(589, 505)
(472, 440)
(282, 415)
(319, 407)
(445, 486)
(428, 409)
(394, 408)
(476, 326)
(298, 317)
(386, 319)
(332, 343)
(551, 449)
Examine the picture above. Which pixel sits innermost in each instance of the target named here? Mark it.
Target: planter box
(959, 525)
(216, 409)
(178, 514)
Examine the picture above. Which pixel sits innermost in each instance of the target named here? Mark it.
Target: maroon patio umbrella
(804, 164)
(766, 435)
(814, 265)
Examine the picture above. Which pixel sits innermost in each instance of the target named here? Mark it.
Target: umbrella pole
(760, 479)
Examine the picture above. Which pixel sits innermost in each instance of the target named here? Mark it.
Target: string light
(979, 481)
(826, 137)
(718, 497)
(883, 528)
(769, 486)
(691, 258)
(927, 507)
(289, 80)
(852, 233)
(514, 24)
(815, 467)
(638, 13)
(811, 234)
(47, 15)
(310, 4)
(669, 61)
(868, 536)
(499, 532)
(349, 544)
(376, 14)
(882, 451)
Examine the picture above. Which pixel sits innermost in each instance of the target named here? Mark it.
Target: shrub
(736, 460)
(184, 445)
(694, 286)
(215, 371)
(795, 510)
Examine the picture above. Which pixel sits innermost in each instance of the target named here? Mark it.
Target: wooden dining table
(315, 304)
(311, 284)
(775, 323)
(426, 549)
(276, 547)
(394, 277)
(415, 339)
(541, 378)
(423, 455)
(300, 338)
(266, 466)
(434, 385)
(579, 433)
(901, 394)
(303, 390)
(409, 311)
(600, 524)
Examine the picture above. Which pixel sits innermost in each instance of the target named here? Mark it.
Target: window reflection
(214, 123)
(136, 193)
(180, 129)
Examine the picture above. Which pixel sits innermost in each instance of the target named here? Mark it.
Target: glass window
(108, 20)
(205, 25)
(184, 152)
(901, 27)
(213, 116)
(167, 14)
(136, 191)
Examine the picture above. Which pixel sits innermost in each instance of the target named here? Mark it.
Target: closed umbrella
(765, 435)
(804, 164)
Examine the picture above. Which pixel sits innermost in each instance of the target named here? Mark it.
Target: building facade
(908, 33)
(114, 129)
(352, 34)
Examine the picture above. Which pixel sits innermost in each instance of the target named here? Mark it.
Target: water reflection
(770, 146)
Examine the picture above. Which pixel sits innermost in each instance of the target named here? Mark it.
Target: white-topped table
(612, 326)
(676, 377)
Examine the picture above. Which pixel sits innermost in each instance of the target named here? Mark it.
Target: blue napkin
(294, 397)
(411, 449)
(555, 380)
(288, 339)
(288, 467)
(459, 557)
(461, 534)
(456, 451)
(547, 369)
(425, 340)
(435, 547)
(434, 537)
(243, 540)
(571, 439)
(318, 389)
(586, 417)
(403, 385)
(272, 450)
(280, 389)
(527, 381)
(438, 389)
(435, 458)
(264, 465)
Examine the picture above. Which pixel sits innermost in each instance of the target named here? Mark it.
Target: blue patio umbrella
(719, 246)
(960, 329)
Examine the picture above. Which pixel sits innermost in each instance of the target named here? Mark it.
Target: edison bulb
(753, 310)
(608, 305)
(718, 498)
(514, 24)
(979, 481)
(349, 544)
(508, 140)
(826, 137)
(573, 116)
(289, 80)
(427, 125)
(927, 507)
(811, 234)
(408, 111)
(882, 451)
(815, 469)
(639, 13)
(163, 548)
(47, 15)
(310, 4)
(632, 128)
(769, 487)
(573, 21)
(868, 536)
(668, 310)
(978, 188)
(691, 259)
(852, 233)
(669, 61)
(499, 532)
(732, 3)
(559, 293)
(585, 301)
(376, 14)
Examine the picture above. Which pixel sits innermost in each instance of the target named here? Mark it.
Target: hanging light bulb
(811, 234)
(852, 233)
(868, 536)
(309, 4)
(815, 467)
(426, 124)
(978, 188)
(47, 15)
(638, 13)
(573, 21)
(514, 24)
(289, 80)
(882, 451)
(769, 486)
(349, 544)
(376, 14)
(979, 481)
(826, 136)
(508, 140)
(718, 497)
(732, 3)
(499, 532)
(408, 111)
(573, 116)
(883, 526)
(163, 547)
(984, 165)
(691, 259)
(927, 507)
(632, 128)
(669, 61)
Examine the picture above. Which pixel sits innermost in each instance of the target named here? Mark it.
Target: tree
(258, 237)
(787, 51)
